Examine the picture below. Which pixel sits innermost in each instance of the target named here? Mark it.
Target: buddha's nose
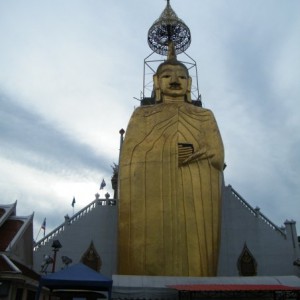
(174, 78)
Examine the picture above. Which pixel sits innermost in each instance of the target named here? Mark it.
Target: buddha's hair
(172, 62)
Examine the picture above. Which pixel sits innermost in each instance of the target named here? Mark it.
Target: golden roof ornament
(169, 28)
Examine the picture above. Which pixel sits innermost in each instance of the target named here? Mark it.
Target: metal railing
(70, 220)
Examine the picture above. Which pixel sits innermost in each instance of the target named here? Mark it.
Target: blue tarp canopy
(78, 276)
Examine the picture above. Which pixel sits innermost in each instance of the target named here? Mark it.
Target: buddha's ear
(188, 91)
(156, 88)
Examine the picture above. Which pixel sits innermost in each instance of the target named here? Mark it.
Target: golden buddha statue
(170, 180)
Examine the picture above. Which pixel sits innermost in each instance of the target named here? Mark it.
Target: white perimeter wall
(274, 252)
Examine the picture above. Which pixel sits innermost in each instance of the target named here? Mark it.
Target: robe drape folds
(169, 212)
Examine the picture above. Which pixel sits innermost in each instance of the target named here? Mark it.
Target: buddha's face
(173, 81)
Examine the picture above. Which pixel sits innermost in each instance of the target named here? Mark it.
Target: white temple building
(251, 244)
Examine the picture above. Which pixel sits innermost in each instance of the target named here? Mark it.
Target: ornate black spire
(169, 28)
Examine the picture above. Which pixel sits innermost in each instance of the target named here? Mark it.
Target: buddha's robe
(169, 207)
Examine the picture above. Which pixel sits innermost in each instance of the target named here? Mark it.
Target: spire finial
(168, 27)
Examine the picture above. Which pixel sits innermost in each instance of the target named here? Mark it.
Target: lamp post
(56, 245)
(46, 262)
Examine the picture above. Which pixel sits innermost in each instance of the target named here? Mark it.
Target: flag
(103, 184)
(44, 225)
(73, 202)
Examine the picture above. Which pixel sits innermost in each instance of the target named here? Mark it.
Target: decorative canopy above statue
(169, 28)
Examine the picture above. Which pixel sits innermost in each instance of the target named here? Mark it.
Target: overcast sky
(70, 71)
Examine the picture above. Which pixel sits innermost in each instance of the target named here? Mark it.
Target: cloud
(29, 139)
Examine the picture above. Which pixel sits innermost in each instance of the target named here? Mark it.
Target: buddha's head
(172, 82)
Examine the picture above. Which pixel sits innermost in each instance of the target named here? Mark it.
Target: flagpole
(73, 204)
(39, 233)
(103, 184)
(42, 227)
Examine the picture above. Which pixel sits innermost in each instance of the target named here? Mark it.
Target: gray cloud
(29, 139)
